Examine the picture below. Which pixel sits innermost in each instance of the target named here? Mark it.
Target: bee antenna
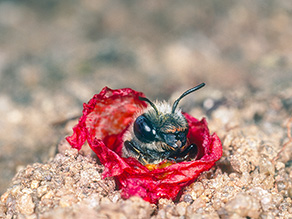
(184, 94)
(150, 102)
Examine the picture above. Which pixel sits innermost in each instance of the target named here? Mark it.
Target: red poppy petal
(107, 113)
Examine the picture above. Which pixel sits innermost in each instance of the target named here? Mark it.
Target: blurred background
(55, 55)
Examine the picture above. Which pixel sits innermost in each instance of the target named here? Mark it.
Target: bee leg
(134, 150)
(192, 151)
(189, 153)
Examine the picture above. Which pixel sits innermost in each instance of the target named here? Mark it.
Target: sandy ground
(54, 55)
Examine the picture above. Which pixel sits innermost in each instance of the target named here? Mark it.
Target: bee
(160, 133)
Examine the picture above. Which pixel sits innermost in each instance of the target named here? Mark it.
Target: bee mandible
(160, 133)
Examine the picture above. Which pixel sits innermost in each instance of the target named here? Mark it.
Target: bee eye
(144, 130)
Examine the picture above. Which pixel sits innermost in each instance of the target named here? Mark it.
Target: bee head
(168, 127)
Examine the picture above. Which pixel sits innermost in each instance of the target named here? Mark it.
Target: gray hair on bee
(159, 133)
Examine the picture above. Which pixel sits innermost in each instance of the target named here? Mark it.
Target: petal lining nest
(105, 119)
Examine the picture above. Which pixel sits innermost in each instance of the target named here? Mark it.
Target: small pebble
(25, 204)
(4, 197)
(42, 190)
(181, 208)
(34, 184)
(244, 205)
(188, 198)
(279, 165)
